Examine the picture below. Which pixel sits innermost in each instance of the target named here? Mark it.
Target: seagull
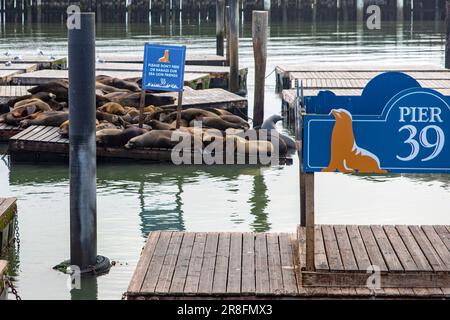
(7, 53)
(39, 52)
(8, 63)
(18, 58)
(52, 57)
(100, 60)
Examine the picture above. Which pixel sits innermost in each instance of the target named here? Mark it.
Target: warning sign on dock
(163, 67)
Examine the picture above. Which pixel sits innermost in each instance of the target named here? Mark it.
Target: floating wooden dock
(42, 62)
(7, 131)
(8, 213)
(3, 271)
(194, 80)
(175, 265)
(191, 59)
(286, 74)
(11, 92)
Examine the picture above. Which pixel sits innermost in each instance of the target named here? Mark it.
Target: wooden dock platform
(8, 213)
(191, 59)
(177, 265)
(3, 271)
(43, 62)
(285, 74)
(7, 131)
(194, 80)
(10, 92)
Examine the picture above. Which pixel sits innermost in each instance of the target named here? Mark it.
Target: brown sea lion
(105, 89)
(118, 83)
(134, 100)
(216, 123)
(116, 96)
(235, 119)
(105, 125)
(150, 109)
(60, 88)
(52, 119)
(111, 118)
(158, 125)
(113, 108)
(183, 123)
(119, 139)
(190, 114)
(219, 112)
(29, 106)
(64, 128)
(155, 139)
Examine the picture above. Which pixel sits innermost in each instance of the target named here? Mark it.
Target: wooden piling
(233, 27)
(259, 34)
(359, 10)
(400, 7)
(310, 232)
(447, 38)
(227, 33)
(220, 27)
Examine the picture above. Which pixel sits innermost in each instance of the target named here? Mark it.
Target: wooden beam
(310, 224)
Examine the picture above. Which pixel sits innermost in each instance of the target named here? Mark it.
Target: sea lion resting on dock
(190, 114)
(156, 139)
(29, 106)
(134, 100)
(240, 145)
(118, 83)
(64, 128)
(216, 123)
(60, 88)
(52, 119)
(269, 124)
(117, 138)
(113, 108)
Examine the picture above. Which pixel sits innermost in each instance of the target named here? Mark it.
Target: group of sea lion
(118, 114)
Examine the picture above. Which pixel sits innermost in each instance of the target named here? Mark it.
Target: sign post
(163, 70)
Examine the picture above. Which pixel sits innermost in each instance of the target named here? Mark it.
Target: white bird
(18, 58)
(8, 63)
(7, 53)
(39, 52)
(100, 60)
(52, 57)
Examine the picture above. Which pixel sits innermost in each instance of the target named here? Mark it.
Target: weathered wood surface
(7, 92)
(44, 76)
(41, 61)
(7, 75)
(7, 131)
(23, 67)
(191, 59)
(414, 256)
(7, 207)
(251, 265)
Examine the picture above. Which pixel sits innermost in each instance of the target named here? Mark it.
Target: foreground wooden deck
(7, 131)
(176, 265)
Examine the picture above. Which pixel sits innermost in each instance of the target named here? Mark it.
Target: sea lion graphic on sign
(346, 155)
(165, 58)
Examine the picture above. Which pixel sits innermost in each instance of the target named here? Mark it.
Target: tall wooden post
(227, 33)
(359, 10)
(400, 8)
(233, 27)
(220, 27)
(310, 224)
(437, 10)
(447, 38)
(259, 34)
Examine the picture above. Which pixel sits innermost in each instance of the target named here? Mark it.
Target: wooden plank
(42, 134)
(444, 234)
(235, 265)
(222, 260)
(274, 263)
(432, 256)
(321, 261)
(345, 248)
(261, 264)
(374, 253)
(154, 269)
(144, 262)
(170, 260)
(287, 254)
(359, 250)
(248, 264)
(386, 249)
(438, 245)
(332, 249)
(182, 266)
(22, 133)
(195, 264)
(413, 248)
(209, 263)
(400, 249)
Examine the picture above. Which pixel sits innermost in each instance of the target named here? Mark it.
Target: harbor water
(134, 199)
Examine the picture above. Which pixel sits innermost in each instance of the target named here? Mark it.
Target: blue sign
(163, 67)
(409, 136)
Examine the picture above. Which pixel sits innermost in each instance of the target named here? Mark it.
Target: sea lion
(216, 123)
(155, 139)
(134, 100)
(219, 112)
(4, 108)
(52, 119)
(60, 88)
(252, 147)
(105, 125)
(29, 106)
(346, 155)
(190, 114)
(183, 123)
(44, 96)
(270, 124)
(236, 119)
(111, 118)
(119, 139)
(257, 135)
(64, 128)
(113, 108)
(118, 83)
(105, 89)
(151, 108)
(158, 125)
(116, 96)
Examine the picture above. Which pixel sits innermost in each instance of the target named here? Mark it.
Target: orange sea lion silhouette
(165, 58)
(346, 156)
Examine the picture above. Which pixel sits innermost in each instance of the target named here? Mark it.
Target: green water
(136, 199)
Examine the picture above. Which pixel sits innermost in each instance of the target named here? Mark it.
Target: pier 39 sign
(163, 67)
(411, 135)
